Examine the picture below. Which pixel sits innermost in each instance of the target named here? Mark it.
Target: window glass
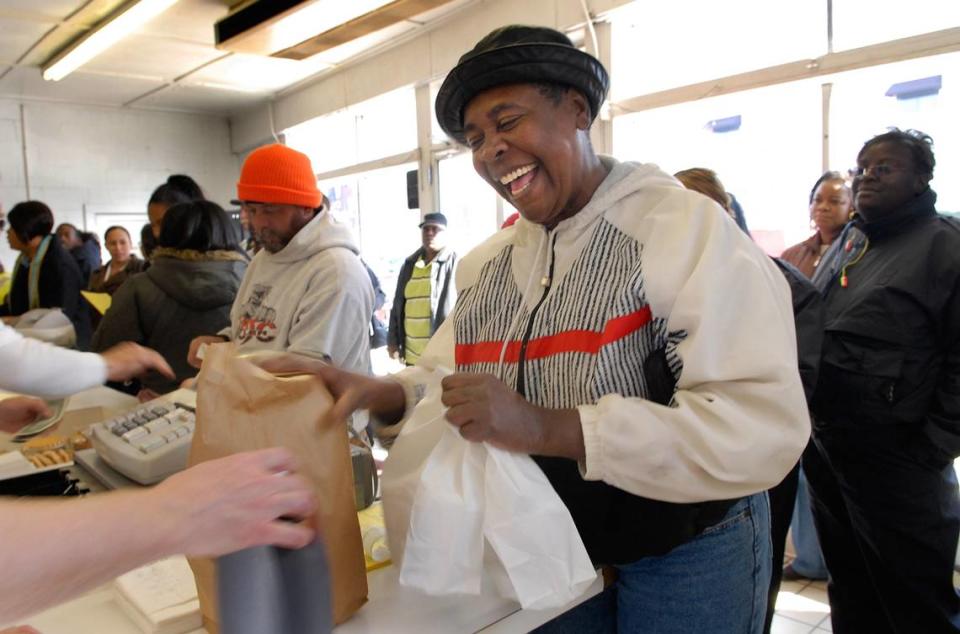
(859, 23)
(661, 45)
(374, 205)
(383, 126)
(386, 125)
(437, 135)
(468, 202)
(769, 163)
(860, 109)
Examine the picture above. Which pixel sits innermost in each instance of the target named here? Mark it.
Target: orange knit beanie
(279, 175)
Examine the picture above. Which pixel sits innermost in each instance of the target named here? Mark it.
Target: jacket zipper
(546, 282)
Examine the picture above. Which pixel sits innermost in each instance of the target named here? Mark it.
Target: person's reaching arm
(55, 549)
(35, 367)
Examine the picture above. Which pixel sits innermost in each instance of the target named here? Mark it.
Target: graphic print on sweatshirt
(257, 319)
(594, 334)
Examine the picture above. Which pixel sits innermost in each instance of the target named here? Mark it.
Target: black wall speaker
(413, 190)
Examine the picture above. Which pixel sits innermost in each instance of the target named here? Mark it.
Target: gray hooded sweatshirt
(313, 297)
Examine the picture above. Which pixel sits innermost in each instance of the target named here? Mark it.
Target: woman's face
(531, 150)
(14, 240)
(118, 244)
(156, 211)
(831, 207)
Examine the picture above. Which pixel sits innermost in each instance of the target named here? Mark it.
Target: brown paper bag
(241, 407)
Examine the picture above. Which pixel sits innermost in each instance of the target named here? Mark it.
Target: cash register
(151, 441)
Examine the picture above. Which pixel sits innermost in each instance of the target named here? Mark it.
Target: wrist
(388, 402)
(560, 433)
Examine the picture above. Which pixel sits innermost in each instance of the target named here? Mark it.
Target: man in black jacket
(425, 292)
(887, 406)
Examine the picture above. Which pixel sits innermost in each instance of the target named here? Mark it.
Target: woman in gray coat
(187, 291)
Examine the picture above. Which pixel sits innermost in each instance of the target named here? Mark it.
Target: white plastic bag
(49, 325)
(458, 512)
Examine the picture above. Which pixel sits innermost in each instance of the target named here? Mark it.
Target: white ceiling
(168, 64)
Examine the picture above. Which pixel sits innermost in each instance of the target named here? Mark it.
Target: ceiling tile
(57, 9)
(80, 87)
(191, 20)
(19, 36)
(143, 56)
(252, 72)
(200, 99)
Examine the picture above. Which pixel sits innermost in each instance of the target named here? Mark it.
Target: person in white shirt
(55, 549)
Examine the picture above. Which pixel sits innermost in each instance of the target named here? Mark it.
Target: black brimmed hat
(517, 55)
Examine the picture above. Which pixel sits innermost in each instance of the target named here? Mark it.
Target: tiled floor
(802, 607)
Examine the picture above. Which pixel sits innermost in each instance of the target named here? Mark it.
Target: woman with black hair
(186, 292)
(179, 188)
(45, 274)
(831, 206)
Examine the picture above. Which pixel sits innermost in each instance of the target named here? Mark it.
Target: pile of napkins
(160, 598)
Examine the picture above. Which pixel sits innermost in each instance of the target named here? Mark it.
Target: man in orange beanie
(306, 291)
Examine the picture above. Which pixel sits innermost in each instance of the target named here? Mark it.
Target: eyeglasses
(879, 171)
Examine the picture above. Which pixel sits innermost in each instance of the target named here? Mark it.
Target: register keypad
(149, 428)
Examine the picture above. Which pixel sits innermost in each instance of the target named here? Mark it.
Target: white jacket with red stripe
(659, 320)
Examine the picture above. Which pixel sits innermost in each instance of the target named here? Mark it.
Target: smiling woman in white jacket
(624, 333)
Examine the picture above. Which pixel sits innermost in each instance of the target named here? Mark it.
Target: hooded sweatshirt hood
(623, 179)
(200, 283)
(321, 233)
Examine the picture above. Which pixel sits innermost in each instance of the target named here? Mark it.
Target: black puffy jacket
(891, 354)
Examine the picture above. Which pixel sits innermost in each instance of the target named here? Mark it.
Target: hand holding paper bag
(446, 499)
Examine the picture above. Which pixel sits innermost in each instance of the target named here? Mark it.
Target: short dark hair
(555, 91)
(919, 144)
(147, 240)
(179, 188)
(829, 175)
(200, 225)
(83, 236)
(30, 219)
(106, 234)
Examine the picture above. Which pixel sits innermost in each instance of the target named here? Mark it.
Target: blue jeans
(809, 561)
(716, 583)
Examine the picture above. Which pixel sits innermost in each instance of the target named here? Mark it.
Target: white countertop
(391, 608)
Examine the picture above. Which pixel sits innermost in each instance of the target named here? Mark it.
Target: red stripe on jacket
(587, 341)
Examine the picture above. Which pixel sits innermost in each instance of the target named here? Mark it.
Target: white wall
(429, 55)
(106, 160)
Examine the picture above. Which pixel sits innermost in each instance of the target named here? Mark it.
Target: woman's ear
(581, 109)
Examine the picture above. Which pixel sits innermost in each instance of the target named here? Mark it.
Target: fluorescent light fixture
(123, 22)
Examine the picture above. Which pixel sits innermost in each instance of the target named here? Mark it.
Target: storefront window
(374, 205)
(661, 45)
(768, 159)
(859, 23)
(468, 202)
(861, 109)
(383, 126)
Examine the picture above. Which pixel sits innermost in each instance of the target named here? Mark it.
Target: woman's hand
(383, 397)
(485, 409)
(18, 411)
